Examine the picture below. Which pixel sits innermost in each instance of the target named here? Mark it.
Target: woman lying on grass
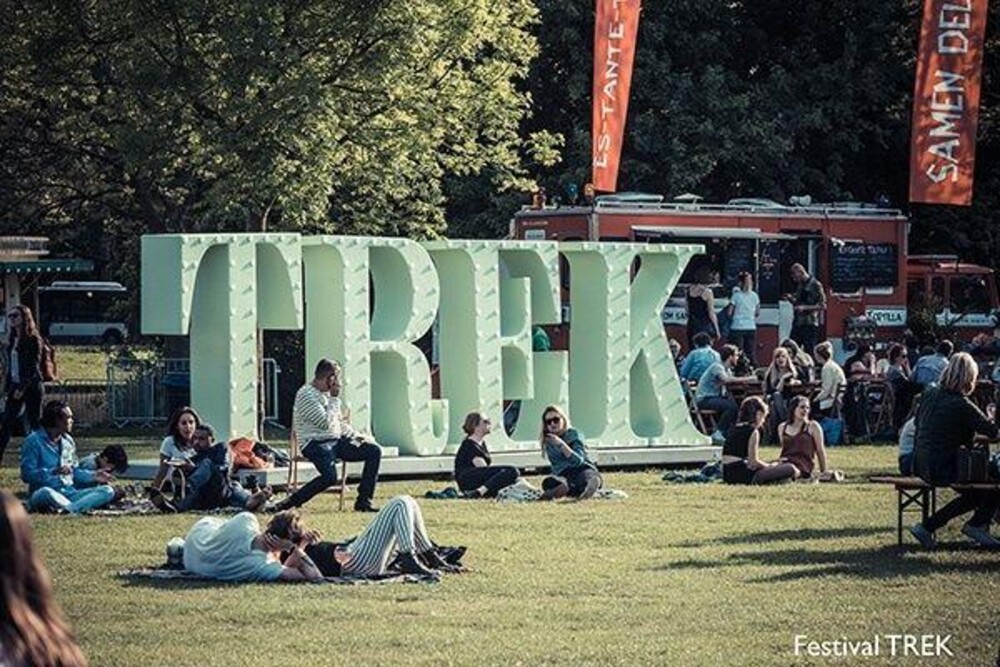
(237, 549)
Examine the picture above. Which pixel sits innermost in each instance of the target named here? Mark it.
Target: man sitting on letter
(325, 436)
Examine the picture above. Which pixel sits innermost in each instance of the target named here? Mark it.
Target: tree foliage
(121, 117)
(766, 99)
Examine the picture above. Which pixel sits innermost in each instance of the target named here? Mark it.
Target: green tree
(123, 118)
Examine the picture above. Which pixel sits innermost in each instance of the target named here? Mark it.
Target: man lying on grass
(237, 549)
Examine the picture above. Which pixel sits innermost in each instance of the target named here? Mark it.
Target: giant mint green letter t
(221, 288)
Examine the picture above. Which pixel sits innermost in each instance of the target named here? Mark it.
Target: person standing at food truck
(745, 307)
(700, 302)
(808, 302)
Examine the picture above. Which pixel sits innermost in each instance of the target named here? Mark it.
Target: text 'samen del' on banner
(946, 101)
(614, 51)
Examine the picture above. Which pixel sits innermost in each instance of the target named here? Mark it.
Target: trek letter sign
(364, 301)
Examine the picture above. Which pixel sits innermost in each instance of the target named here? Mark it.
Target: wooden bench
(912, 495)
(915, 495)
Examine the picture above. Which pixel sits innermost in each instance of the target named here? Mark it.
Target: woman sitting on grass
(741, 462)
(32, 628)
(801, 440)
(574, 474)
(474, 472)
(179, 443)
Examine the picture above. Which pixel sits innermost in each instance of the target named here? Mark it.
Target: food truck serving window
(728, 252)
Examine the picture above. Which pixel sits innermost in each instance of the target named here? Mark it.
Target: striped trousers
(398, 527)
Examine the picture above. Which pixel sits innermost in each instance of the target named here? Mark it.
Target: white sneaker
(981, 536)
(718, 438)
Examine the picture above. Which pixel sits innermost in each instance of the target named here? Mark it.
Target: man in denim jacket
(50, 468)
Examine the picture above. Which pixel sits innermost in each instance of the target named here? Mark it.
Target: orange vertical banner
(615, 29)
(946, 101)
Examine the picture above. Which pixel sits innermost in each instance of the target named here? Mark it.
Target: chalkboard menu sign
(769, 271)
(738, 258)
(854, 265)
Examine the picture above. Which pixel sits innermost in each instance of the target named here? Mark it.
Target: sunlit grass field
(675, 575)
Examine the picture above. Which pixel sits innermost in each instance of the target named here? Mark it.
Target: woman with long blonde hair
(32, 628)
(946, 421)
(574, 473)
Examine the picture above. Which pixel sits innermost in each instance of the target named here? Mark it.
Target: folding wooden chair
(705, 420)
(886, 409)
(295, 457)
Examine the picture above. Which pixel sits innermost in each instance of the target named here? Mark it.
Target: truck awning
(48, 266)
(710, 233)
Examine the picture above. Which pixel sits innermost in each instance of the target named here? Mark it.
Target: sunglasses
(553, 420)
(14, 316)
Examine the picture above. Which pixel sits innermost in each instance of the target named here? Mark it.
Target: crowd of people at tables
(930, 387)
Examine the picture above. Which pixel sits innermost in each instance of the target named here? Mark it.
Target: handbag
(973, 465)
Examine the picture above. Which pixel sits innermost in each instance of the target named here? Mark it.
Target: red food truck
(859, 252)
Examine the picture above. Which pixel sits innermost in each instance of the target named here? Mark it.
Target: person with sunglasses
(475, 473)
(574, 474)
(25, 388)
(801, 440)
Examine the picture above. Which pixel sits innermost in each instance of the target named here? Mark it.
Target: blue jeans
(323, 454)
(199, 490)
(74, 501)
(906, 464)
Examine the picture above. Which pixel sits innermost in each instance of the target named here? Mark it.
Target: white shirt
(831, 377)
(170, 449)
(223, 550)
(745, 306)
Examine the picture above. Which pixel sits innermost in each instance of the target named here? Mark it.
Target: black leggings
(493, 478)
(31, 399)
(985, 504)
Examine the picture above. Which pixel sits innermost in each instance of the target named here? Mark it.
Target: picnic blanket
(521, 491)
(163, 573)
(524, 492)
(143, 506)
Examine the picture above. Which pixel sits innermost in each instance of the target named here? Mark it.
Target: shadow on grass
(175, 584)
(881, 563)
(797, 535)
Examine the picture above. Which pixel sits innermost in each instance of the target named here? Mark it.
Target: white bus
(78, 311)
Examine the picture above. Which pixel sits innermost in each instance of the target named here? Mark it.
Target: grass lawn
(677, 574)
(77, 362)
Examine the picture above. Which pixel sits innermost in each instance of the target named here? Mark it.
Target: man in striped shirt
(325, 436)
